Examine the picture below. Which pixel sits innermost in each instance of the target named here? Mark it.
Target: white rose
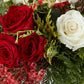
(70, 27)
(5, 0)
(20, 1)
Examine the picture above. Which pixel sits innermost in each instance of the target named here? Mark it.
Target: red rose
(32, 47)
(18, 18)
(8, 51)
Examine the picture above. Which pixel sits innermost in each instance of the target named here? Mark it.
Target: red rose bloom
(8, 51)
(18, 18)
(32, 47)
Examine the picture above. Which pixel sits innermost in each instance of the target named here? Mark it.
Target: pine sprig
(50, 24)
(51, 51)
(46, 26)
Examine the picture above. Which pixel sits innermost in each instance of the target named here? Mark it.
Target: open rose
(8, 51)
(32, 47)
(70, 27)
(18, 18)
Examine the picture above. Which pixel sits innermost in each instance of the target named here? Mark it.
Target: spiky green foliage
(51, 51)
(46, 27)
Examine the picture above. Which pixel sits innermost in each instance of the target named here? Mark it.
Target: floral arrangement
(41, 42)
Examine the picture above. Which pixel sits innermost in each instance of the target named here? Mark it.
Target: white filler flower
(59, 1)
(73, 1)
(50, 2)
(5, 0)
(70, 27)
(20, 1)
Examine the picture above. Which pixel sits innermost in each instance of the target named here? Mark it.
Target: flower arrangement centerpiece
(41, 41)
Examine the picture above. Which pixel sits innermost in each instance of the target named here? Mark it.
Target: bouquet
(41, 42)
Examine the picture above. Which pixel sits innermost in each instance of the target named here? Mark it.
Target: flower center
(70, 28)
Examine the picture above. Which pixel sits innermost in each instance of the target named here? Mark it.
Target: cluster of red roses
(29, 49)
